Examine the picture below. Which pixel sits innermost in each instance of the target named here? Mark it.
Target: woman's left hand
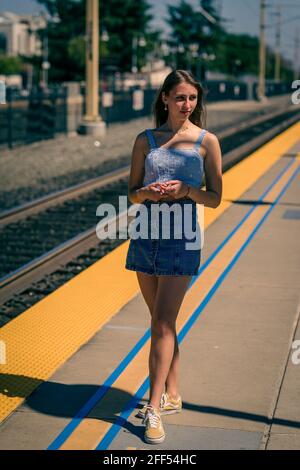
(175, 188)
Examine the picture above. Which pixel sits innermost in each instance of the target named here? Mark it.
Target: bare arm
(137, 193)
(137, 170)
(213, 175)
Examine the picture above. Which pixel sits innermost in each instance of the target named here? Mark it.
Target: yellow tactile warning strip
(47, 334)
(93, 428)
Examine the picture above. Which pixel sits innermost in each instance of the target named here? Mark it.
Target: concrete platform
(239, 384)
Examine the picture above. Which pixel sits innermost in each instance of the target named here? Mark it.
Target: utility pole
(262, 53)
(92, 123)
(278, 35)
(278, 44)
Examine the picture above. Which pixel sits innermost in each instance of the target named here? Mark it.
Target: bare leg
(148, 284)
(169, 297)
(172, 382)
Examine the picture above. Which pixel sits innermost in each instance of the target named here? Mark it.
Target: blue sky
(244, 16)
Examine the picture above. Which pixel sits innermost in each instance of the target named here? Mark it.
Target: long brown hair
(198, 117)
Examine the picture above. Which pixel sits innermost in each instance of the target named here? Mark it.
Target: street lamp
(165, 51)
(104, 35)
(45, 65)
(194, 50)
(104, 38)
(45, 59)
(135, 42)
(173, 51)
(213, 21)
(134, 55)
(165, 48)
(237, 64)
(142, 42)
(206, 58)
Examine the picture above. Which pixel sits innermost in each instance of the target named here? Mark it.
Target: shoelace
(163, 400)
(153, 419)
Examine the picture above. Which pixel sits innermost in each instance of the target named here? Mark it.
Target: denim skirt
(165, 239)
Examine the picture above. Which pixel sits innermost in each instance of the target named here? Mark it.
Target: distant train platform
(75, 372)
(30, 171)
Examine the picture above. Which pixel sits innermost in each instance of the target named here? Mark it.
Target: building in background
(18, 34)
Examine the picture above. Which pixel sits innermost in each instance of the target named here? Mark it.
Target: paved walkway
(239, 378)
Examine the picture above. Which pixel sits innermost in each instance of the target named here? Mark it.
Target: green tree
(212, 33)
(64, 37)
(191, 27)
(10, 65)
(122, 19)
(237, 54)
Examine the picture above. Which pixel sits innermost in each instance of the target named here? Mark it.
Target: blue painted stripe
(116, 427)
(121, 420)
(103, 389)
(246, 216)
(84, 411)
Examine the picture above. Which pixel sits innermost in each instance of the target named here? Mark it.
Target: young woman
(167, 167)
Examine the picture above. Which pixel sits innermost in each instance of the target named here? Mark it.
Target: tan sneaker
(168, 406)
(154, 432)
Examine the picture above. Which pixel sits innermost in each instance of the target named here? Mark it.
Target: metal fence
(39, 116)
(273, 89)
(123, 109)
(43, 114)
(221, 90)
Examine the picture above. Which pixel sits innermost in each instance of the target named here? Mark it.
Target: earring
(166, 107)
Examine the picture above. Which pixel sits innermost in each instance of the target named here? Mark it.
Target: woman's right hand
(155, 191)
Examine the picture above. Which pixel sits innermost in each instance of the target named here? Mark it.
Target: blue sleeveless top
(163, 164)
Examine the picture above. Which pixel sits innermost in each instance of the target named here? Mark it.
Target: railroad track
(242, 133)
(43, 250)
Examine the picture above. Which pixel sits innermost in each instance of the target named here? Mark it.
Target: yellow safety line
(92, 429)
(50, 332)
